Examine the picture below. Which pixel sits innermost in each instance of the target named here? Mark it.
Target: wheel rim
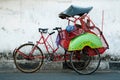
(87, 64)
(27, 63)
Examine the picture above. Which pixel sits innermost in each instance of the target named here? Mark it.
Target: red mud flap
(92, 52)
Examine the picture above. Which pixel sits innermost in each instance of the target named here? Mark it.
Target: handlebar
(57, 28)
(45, 30)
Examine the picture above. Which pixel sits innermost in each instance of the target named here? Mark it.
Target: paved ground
(54, 71)
(70, 75)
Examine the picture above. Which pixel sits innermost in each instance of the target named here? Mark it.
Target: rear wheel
(24, 61)
(84, 63)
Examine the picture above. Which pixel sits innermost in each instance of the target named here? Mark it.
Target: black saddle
(73, 11)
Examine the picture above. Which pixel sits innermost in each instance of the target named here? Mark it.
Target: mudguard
(87, 39)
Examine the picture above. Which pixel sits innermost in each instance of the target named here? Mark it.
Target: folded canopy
(74, 10)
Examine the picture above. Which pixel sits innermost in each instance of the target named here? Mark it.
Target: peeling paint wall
(20, 20)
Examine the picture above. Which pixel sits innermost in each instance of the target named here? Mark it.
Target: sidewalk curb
(9, 66)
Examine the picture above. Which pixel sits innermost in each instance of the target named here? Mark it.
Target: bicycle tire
(28, 65)
(86, 65)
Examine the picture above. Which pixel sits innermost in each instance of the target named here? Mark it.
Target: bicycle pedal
(48, 62)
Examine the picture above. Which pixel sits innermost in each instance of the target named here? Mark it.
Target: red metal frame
(89, 28)
(44, 41)
(58, 57)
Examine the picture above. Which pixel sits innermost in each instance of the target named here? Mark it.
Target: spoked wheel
(24, 61)
(85, 61)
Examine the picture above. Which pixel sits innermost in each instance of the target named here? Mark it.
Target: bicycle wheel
(24, 61)
(84, 63)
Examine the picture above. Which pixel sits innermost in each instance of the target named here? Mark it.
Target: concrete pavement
(55, 71)
(71, 75)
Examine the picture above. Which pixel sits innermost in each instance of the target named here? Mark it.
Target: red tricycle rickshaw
(82, 41)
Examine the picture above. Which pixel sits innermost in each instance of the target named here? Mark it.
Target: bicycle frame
(81, 50)
(47, 45)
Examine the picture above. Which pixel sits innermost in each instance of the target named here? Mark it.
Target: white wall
(20, 19)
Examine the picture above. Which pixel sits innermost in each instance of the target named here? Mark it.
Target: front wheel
(84, 63)
(27, 62)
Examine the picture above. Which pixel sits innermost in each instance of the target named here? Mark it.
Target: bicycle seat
(73, 11)
(45, 30)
